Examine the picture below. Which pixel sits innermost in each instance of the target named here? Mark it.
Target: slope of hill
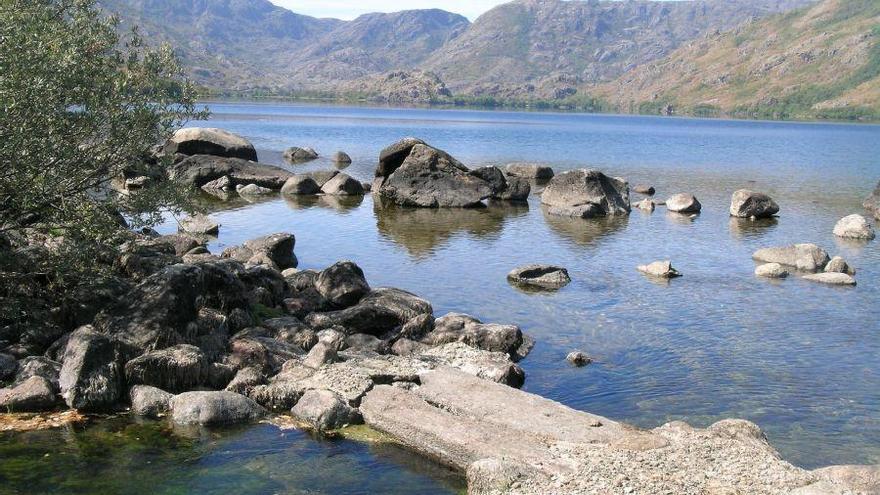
(588, 41)
(817, 62)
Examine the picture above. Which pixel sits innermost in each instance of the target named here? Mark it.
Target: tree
(80, 108)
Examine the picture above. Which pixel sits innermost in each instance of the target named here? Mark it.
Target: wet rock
(149, 402)
(214, 408)
(91, 377)
(175, 369)
(644, 189)
(839, 265)
(199, 224)
(586, 194)
(393, 156)
(341, 157)
(245, 381)
(253, 190)
(831, 278)
(342, 185)
(531, 171)
(854, 227)
(210, 141)
(325, 411)
(749, 204)
(646, 205)
(660, 269)
(804, 257)
(771, 270)
(300, 155)
(301, 185)
(199, 170)
(543, 276)
(431, 178)
(342, 284)
(683, 203)
(320, 355)
(38, 366)
(32, 395)
(277, 248)
(578, 358)
(8, 367)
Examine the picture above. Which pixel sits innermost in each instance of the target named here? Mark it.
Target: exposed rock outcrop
(804, 257)
(210, 141)
(748, 204)
(586, 194)
(200, 170)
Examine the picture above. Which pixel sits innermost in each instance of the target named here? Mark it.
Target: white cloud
(345, 9)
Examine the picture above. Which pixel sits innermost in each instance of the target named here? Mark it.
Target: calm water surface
(801, 360)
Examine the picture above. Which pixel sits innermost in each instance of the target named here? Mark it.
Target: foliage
(80, 108)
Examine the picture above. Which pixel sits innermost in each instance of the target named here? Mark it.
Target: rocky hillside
(527, 49)
(817, 62)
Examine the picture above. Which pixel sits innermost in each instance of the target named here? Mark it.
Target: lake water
(801, 360)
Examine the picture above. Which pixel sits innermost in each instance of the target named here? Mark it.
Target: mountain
(817, 62)
(527, 49)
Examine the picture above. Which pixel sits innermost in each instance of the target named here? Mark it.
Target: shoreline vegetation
(794, 110)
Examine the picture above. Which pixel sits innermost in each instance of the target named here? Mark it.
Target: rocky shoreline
(202, 338)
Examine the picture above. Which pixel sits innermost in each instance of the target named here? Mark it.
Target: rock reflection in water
(422, 230)
(584, 232)
(745, 228)
(342, 204)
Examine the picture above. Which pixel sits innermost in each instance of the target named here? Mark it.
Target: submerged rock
(253, 190)
(324, 410)
(831, 278)
(683, 203)
(660, 269)
(210, 141)
(300, 155)
(872, 202)
(644, 189)
(586, 194)
(748, 204)
(543, 276)
(771, 270)
(854, 227)
(804, 257)
(214, 408)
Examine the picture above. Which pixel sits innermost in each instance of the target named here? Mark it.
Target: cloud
(347, 9)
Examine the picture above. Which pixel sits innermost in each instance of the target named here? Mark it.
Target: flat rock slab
(540, 276)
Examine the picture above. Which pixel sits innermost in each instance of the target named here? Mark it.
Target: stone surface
(644, 189)
(341, 158)
(300, 184)
(91, 376)
(199, 224)
(175, 369)
(324, 410)
(578, 358)
(394, 155)
(214, 408)
(300, 155)
(585, 194)
(839, 265)
(748, 204)
(531, 171)
(32, 395)
(149, 402)
(831, 278)
(804, 257)
(872, 202)
(854, 227)
(343, 284)
(199, 170)
(646, 205)
(39, 366)
(320, 355)
(771, 270)
(342, 185)
(8, 367)
(543, 276)
(660, 269)
(864, 479)
(683, 203)
(253, 190)
(210, 141)
(492, 366)
(274, 249)
(245, 381)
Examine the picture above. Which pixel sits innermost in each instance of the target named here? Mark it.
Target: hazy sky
(349, 9)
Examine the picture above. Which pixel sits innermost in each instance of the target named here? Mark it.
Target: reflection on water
(584, 232)
(123, 456)
(422, 230)
(341, 204)
(741, 228)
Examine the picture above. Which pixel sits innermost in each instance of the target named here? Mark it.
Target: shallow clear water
(801, 360)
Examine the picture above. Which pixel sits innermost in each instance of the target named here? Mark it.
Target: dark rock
(643, 189)
(182, 243)
(199, 170)
(214, 408)
(32, 395)
(578, 359)
(518, 189)
(175, 369)
(748, 204)
(219, 375)
(342, 284)
(586, 194)
(209, 141)
(378, 313)
(456, 327)
(392, 157)
(300, 155)
(149, 402)
(530, 171)
(407, 347)
(417, 327)
(91, 377)
(324, 410)
(8, 367)
(362, 342)
(544, 276)
(277, 248)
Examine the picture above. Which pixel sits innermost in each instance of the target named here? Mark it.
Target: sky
(349, 9)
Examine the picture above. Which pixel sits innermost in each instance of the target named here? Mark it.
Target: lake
(801, 360)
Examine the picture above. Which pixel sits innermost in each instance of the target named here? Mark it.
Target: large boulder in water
(683, 203)
(748, 204)
(542, 276)
(210, 141)
(431, 178)
(586, 193)
(199, 170)
(214, 408)
(91, 377)
(393, 156)
(854, 227)
(175, 369)
(804, 257)
(296, 154)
